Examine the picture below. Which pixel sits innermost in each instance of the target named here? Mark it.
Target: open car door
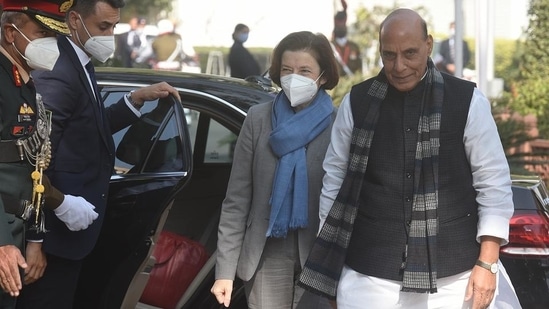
(153, 163)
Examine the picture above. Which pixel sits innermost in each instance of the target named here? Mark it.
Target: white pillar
(458, 38)
(484, 55)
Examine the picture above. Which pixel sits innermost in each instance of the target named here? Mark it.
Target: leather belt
(9, 152)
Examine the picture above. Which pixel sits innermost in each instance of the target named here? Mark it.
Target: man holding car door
(82, 144)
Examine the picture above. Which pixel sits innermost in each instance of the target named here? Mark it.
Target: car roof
(242, 94)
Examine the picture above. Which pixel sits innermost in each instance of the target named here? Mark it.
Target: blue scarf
(291, 134)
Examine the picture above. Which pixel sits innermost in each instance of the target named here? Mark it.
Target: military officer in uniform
(347, 52)
(28, 42)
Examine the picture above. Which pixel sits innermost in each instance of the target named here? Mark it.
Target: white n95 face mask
(299, 89)
(41, 53)
(101, 47)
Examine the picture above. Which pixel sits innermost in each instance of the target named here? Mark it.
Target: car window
(220, 144)
(153, 143)
(192, 117)
(216, 140)
(151, 146)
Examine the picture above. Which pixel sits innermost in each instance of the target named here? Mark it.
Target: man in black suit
(82, 144)
(130, 44)
(445, 60)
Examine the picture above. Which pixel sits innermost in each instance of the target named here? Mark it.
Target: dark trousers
(6, 300)
(55, 289)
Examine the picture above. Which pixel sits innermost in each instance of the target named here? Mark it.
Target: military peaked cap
(48, 13)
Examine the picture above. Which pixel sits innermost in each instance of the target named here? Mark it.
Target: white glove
(76, 212)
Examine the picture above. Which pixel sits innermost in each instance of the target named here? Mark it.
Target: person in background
(269, 217)
(139, 47)
(124, 45)
(241, 62)
(445, 59)
(347, 52)
(167, 47)
(416, 200)
(28, 42)
(82, 147)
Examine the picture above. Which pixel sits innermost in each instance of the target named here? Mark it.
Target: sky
(211, 22)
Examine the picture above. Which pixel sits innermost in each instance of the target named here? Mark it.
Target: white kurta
(491, 180)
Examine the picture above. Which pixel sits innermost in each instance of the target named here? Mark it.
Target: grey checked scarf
(322, 270)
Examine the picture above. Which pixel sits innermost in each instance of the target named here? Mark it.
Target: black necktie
(136, 40)
(95, 89)
(452, 50)
(91, 72)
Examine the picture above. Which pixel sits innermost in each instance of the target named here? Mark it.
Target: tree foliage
(149, 9)
(365, 30)
(530, 92)
(509, 54)
(514, 134)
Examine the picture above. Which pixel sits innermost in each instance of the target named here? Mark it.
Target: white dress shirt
(84, 59)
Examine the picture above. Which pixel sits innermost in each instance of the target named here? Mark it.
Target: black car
(172, 171)
(526, 257)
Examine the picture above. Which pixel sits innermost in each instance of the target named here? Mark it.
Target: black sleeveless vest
(379, 235)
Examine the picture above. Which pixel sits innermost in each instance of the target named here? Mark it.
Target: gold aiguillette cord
(37, 194)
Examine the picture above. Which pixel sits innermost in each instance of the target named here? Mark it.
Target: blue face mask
(242, 37)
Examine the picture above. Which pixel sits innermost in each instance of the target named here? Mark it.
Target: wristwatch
(132, 102)
(493, 268)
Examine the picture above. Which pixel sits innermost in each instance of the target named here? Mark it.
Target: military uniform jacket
(167, 44)
(17, 117)
(350, 55)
